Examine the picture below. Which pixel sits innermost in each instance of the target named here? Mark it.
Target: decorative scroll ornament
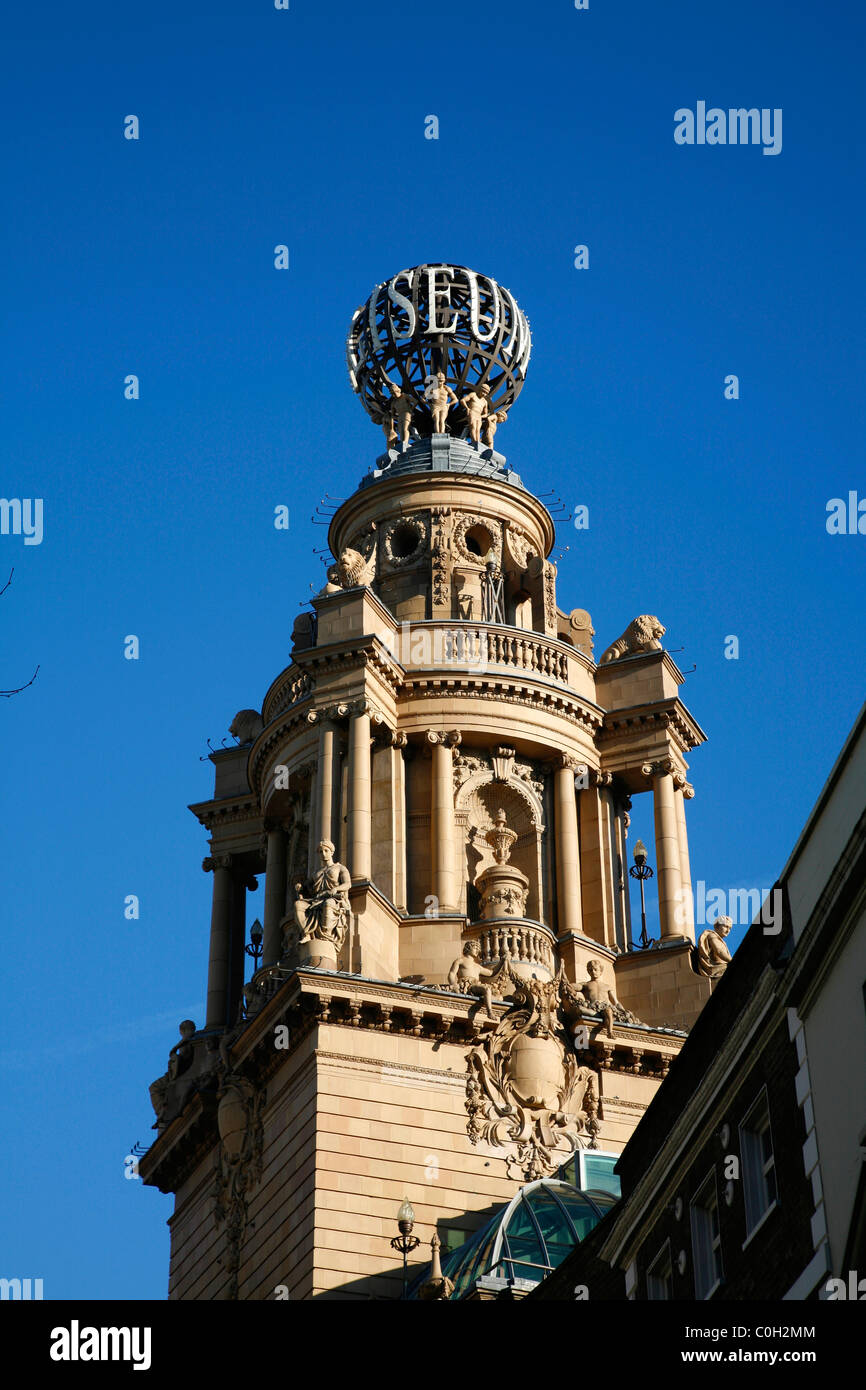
(526, 1092)
(432, 320)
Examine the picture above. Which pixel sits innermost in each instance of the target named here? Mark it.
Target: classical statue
(475, 403)
(386, 420)
(324, 915)
(494, 418)
(439, 397)
(467, 974)
(600, 999)
(641, 635)
(713, 956)
(179, 1061)
(402, 410)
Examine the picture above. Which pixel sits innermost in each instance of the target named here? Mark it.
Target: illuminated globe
(431, 319)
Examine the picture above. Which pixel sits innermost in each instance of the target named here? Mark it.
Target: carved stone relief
(526, 1091)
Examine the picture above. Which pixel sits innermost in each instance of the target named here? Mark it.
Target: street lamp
(405, 1242)
(255, 947)
(641, 871)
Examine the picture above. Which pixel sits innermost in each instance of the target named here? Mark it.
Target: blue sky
(155, 257)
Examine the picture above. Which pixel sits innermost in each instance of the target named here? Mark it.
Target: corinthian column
(570, 916)
(686, 790)
(219, 957)
(667, 848)
(442, 821)
(275, 892)
(360, 839)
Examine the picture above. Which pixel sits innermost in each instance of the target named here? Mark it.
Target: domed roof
(526, 1240)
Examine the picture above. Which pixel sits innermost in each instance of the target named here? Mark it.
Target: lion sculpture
(352, 571)
(641, 635)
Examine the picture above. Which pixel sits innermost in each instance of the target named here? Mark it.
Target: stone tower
(437, 790)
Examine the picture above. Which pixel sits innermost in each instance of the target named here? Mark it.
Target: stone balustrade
(483, 646)
(294, 686)
(522, 943)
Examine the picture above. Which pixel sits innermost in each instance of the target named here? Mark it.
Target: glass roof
(527, 1239)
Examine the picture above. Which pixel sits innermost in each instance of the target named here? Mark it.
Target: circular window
(479, 540)
(404, 541)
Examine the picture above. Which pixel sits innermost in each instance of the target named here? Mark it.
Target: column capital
(270, 824)
(448, 740)
(597, 778)
(567, 762)
(688, 790)
(662, 767)
(217, 861)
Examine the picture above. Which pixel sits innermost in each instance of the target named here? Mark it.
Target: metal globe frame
(473, 331)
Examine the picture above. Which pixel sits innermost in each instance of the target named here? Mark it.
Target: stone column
(360, 838)
(622, 807)
(219, 958)
(667, 847)
(275, 892)
(327, 769)
(569, 916)
(688, 926)
(442, 830)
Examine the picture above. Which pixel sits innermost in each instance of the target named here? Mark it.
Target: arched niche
(478, 800)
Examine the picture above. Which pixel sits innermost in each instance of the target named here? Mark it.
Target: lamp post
(641, 870)
(255, 947)
(405, 1242)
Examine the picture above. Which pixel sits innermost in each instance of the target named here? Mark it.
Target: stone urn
(502, 887)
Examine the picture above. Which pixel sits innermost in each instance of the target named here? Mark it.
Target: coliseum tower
(437, 791)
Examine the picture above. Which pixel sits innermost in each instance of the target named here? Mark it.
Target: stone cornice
(230, 810)
(670, 714)
(307, 999)
(496, 689)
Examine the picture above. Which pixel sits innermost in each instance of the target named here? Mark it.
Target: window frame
(748, 1167)
(698, 1204)
(664, 1255)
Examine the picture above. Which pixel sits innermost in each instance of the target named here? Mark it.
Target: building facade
(437, 791)
(744, 1180)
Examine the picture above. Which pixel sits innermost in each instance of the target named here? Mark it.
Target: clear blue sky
(155, 257)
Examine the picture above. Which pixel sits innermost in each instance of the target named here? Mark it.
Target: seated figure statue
(601, 999)
(713, 956)
(467, 976)
(179, 1061)
(324, 915)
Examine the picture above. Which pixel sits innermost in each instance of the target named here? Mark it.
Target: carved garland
(416, 523)
(465, 522)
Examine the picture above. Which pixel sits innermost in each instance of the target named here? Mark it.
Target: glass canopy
(526, 1240)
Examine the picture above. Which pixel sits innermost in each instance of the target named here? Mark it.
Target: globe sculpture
(438, 349)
